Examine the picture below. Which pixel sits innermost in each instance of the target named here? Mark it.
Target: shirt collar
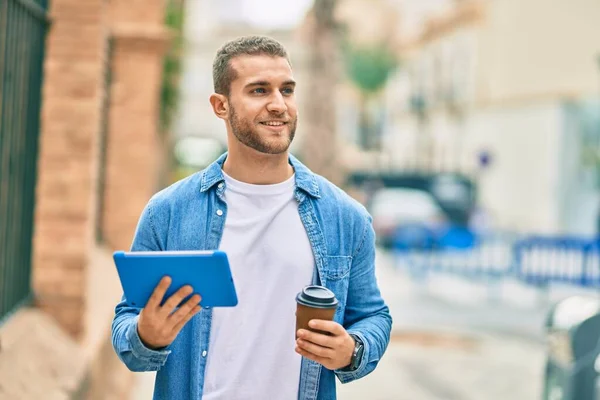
(305, 179)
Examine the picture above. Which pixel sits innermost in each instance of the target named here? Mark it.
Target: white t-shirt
(251, 351)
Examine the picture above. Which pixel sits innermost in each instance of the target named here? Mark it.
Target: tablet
(207, 272)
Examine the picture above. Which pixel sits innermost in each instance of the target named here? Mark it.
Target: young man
(283, 228)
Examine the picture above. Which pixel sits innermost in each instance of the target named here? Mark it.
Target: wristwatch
(357, 354)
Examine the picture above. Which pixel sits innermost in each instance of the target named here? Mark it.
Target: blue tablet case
(207, 272)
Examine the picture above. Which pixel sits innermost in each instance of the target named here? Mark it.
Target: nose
(277, 104)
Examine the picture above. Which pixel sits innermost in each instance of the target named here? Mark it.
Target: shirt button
(204, 353)
(219, 212)
(220, 186)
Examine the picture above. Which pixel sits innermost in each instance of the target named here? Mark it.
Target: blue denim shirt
(190, 215)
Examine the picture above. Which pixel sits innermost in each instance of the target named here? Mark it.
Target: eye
(288, 91)
(259, 91)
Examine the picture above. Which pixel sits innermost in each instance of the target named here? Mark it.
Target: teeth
(274, 123)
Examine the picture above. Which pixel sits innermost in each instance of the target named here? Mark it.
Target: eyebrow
(265, 83)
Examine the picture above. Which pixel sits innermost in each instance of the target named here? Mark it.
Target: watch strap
(356, 355)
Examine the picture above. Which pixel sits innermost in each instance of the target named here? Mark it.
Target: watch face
(357, 355)
(360, 351)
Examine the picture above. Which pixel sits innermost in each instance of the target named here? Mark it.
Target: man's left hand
(333, 352)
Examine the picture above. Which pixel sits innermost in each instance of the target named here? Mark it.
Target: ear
(220, 105)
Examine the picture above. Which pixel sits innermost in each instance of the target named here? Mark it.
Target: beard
(248, 134)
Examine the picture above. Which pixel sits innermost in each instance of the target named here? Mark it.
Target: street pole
(597, 149)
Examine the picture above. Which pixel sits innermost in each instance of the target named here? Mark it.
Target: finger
(309, 355)
(315, 349)
(176, 299)
(185, 320)
(184, 309)
(327, 326)
(317, 338)
(159, 293)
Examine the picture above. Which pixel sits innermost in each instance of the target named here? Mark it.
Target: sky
(285, 14)
(275, 13)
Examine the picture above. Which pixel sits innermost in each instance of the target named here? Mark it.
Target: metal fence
(23, 25)
(491, 257)
(543, 260)
(533, 260)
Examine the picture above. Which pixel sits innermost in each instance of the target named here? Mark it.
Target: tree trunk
(319, 151)
(364, 124)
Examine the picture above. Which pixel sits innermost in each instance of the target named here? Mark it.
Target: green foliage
(174, 18)
(369, 67)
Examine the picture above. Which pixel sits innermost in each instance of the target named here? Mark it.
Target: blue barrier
(534, 260)
(490, 257)
(592, 264)
(543, 260)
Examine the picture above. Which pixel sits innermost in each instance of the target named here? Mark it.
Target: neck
(256, 168)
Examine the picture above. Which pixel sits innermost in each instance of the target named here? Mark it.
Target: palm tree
(368, 68)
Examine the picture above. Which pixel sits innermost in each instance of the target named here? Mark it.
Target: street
(467, 368)
(451, 341)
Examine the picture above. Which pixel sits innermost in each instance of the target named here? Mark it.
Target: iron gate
(23, 25)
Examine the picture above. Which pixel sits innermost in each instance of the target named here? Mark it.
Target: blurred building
(507, 92)
(480, 85)
(89, 91)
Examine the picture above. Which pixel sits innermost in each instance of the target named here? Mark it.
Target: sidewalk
(452, 303)
(450, 343)
(461, 368)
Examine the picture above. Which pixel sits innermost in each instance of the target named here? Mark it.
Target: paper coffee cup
(314, 302)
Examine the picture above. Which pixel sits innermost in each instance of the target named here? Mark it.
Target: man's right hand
(158, 325)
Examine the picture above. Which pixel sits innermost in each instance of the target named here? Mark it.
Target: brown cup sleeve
(304, 314)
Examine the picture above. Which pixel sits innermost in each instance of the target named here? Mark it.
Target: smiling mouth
(274, 123)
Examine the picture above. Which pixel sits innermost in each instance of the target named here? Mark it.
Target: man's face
(262, 103)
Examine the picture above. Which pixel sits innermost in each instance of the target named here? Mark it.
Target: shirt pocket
(336, 276)
(336, 267)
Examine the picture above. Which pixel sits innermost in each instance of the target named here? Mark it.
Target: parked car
(406, 217)
(454, 193)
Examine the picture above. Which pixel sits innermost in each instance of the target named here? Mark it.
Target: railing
(23, 26)
(490, 257)
(532, 260)
(568, 260)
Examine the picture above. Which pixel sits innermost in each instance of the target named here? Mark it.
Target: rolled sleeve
(126, 340)
(349, 376)
(155, 357)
